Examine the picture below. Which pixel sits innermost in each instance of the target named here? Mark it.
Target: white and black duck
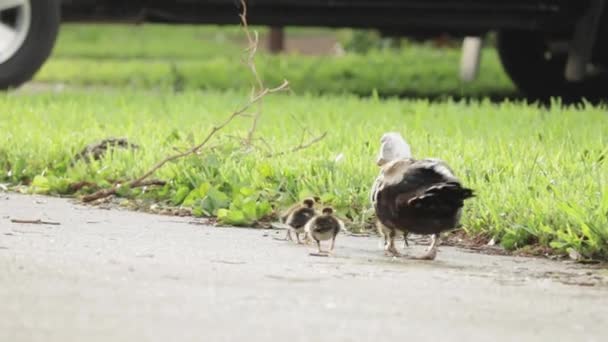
(415, 196)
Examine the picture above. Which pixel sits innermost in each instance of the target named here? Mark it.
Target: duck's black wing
(418, 193)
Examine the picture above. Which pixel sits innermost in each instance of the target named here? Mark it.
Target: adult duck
(420, 196)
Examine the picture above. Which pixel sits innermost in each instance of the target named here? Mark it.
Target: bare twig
(138, 181)
(268, 146)
(301, 146)
(103, 193)
(253, 41)
(150, 182)
(108, 192)
(252, 48)
(79, 185)
(38, 221)
(256, 98)
(259, 91)
(213, 131)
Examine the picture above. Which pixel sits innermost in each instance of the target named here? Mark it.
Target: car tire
(539, 74)
(35, 24)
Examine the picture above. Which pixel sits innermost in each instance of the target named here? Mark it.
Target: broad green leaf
(214, 200)
(196, 194)
(40, 185)
(249, 209)
(263, 209)
(234, 217)
(246, 191)
(266, 170)
(180, 195)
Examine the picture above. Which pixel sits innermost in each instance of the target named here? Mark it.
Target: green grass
(187, 57)
(541, 175)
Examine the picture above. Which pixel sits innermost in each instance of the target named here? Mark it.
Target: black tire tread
(37, 47)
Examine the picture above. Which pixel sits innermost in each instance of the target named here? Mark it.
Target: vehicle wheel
(536, 66)
(28, 29)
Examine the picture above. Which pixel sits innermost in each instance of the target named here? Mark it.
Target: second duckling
(324, 227)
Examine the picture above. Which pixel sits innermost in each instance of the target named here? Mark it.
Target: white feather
(393, 147)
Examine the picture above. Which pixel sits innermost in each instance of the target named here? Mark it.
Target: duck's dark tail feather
(447, 196)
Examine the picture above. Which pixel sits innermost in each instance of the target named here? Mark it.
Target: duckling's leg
(306, 238)
(432, 250)
(391, 246)
(298, 238)
(405, 243)
(381, 230)
(320, 252)
(319, 246)
(333, 242)
(288, 237)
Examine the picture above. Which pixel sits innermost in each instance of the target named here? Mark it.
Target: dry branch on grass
(259, 91)
(300, 146)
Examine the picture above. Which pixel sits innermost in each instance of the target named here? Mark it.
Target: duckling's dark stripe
(300, 217)
(325, 224)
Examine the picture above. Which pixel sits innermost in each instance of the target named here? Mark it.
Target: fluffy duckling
(297, 216)
(324, 227)
(415, 196)
(385, 233)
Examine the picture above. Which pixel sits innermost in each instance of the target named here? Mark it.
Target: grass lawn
(541, 175)
(186, 57)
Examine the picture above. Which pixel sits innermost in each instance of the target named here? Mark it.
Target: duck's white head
(392, 147)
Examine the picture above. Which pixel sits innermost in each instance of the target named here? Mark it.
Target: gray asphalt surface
(112, 275)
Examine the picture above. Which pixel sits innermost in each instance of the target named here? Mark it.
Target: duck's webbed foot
(320, 252)
(288, 237)
(333, 244)
(306, 238)
(391, 250)
(431, 253)
(298, 239)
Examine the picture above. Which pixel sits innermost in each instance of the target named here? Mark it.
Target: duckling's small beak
(380, 161)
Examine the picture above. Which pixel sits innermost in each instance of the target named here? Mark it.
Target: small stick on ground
(38, 221)
(319, 254)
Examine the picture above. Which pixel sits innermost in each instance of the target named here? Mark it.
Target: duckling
(386, 232)
(297, 216)
(415, 196)
(324, 227)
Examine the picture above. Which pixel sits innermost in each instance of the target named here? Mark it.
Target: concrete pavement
(113, 275)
